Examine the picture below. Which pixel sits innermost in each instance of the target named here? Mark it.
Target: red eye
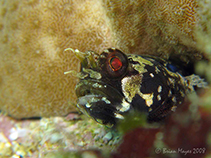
(115, 63)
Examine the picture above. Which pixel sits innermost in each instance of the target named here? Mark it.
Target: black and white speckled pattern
(113, 84)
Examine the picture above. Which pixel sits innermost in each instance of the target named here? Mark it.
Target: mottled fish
(113, 84)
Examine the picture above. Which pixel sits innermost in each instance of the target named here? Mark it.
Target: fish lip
(98, 88)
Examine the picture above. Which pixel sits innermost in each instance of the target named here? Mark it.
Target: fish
(113, 84)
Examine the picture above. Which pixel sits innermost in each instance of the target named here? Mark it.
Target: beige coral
(34, 34)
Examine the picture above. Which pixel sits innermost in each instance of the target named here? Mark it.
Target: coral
(33, 37)
(34, 34)
(155, 27)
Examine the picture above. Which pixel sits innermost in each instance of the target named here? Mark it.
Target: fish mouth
(99, 100)
(86, 87)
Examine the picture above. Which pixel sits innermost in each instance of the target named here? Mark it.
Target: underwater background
(33, 37)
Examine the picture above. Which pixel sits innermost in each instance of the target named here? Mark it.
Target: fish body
(113, 84)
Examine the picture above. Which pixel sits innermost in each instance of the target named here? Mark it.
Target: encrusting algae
(34, 35)
(39, 138)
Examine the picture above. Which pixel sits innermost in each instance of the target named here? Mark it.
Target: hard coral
(157, 27)
(33, 37)
(34, 34)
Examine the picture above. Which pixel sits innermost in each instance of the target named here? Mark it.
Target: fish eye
(115, 63)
